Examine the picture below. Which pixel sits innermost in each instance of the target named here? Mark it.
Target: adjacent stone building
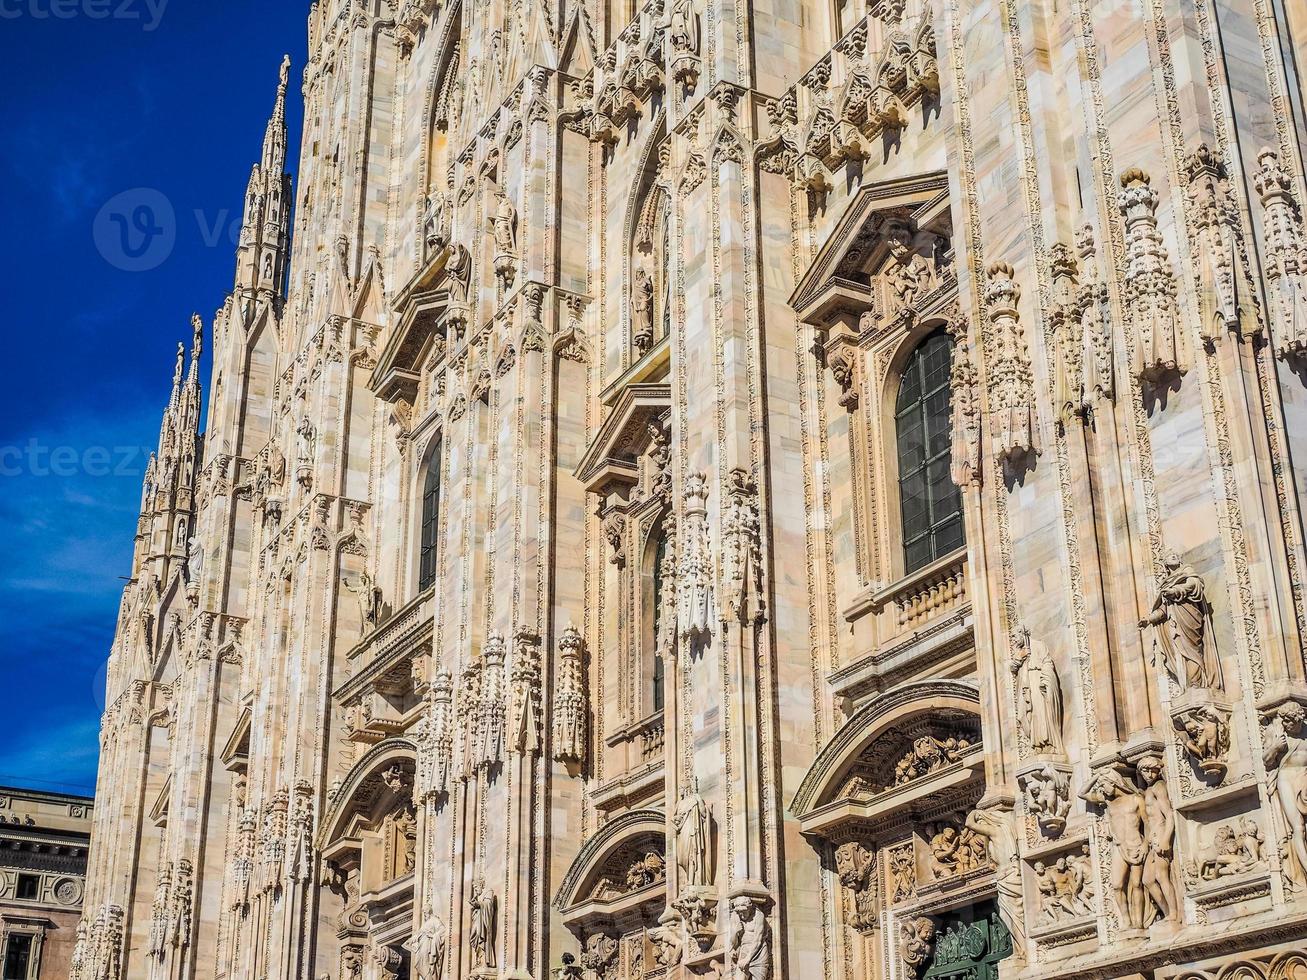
(43, 843)
(763, 490)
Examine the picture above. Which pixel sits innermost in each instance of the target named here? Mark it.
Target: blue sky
(168, 96)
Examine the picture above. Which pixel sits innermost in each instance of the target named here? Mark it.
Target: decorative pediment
(921, 740)
(235, 753)
(613, 456)
(619, 871)
(843, 278)
(419, 311)
(386, 771)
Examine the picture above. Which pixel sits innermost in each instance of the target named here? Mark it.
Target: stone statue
(505, 226)
(1159, 822)
(692, 839)
(751, 944)
(428, 948)
(1048, 797)
(458, 273)
(1125, 808)
(195, 559)
(642, 295)
(1285, 756)
(910, 274)
(666, 939)
(485, 913)
(435, 220)
(307, 438)
(1039, 694)
(683, 28)
(996, 828)
(1183, 636)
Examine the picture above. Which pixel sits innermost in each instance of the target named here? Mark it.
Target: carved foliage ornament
(964, 381)
(855, 866)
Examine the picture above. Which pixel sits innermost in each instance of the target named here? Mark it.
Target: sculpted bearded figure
(1183, 635)
(910, 274)
(1040, 693)
(1285, 756)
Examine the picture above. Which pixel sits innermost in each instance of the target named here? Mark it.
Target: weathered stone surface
(756, 490)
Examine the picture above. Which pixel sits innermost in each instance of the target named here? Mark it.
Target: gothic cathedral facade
(707, 489)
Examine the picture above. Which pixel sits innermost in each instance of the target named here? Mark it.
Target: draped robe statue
(1183, 635)
(1039, 690)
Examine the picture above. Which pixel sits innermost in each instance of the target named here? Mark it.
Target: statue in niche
(435, 220)
(504, 226)
(751, 944)
(1183, 636)
(1285, 756)
(307, 440)
(505, 222)
(1159, 817)
(428, 948)
(1039, 692)
(485, 912)
(458, 272)
(683, 28)
(692, 839)
(642, 297)
(1048, 797)
(909, 274)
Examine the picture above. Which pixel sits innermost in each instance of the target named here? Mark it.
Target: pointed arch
(647, 239)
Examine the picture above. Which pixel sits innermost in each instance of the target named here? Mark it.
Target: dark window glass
(18, 956)
(931, 503)
(430, 523)
(29, 887)
(659, 668)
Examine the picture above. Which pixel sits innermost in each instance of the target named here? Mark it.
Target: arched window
(430, 523)
(930, 501)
